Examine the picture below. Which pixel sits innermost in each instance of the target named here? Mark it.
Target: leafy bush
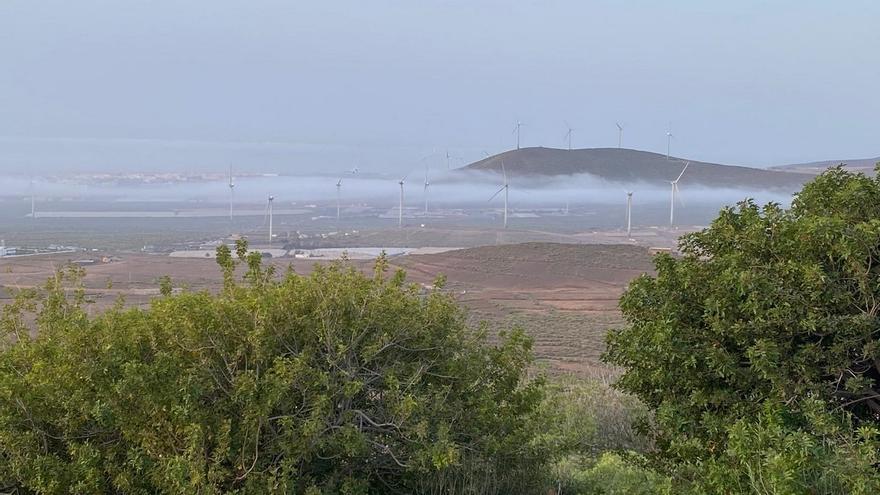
(785, 451)
(766, 314)
(331, 383)
(587, 417)
(609, 474)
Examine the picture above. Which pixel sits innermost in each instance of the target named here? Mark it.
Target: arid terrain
(564, 295)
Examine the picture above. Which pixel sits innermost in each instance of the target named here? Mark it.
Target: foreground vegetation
(334, 382)
(758, 350)
(749, 365)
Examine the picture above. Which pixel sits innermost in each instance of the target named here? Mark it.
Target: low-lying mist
(447, 189)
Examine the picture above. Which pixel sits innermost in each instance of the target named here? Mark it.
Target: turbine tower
(338, 197)
(427, 183)
(505, 187)
(339, 192)
(400, 208)
(231, 186)
(516, 131)
(33, 200)
(568, 135)
(675, 192)
(271, 236)
(629, 206)
(619, 134)
(669, 137)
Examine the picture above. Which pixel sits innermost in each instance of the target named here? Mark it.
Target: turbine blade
(678, 194)
(497, 193)
(682, 172)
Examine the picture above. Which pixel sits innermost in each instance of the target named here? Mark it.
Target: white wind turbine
(619, 134)
(516, 131)
(629, 205)
(33, 200)
(427, 183)
(506, 188)
(339, 193)
(338, 197)
(675, 193)
(449, 159)
(231, 185)
(400, 208)
(269, 207)
(568, 135)
(669, 137)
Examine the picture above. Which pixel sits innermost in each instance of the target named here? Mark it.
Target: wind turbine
(33, 200)
(516, 131)
(271, 198)
(339, 193)
(669, 137)
(505, 187)
(675, 192)
(338, 197)
(629, 205)
(568, 135)
(400, 208)
(619, 134)
(427, 183)
(231, 186)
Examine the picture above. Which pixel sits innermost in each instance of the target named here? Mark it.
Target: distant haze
(470, 188)
(301, 87)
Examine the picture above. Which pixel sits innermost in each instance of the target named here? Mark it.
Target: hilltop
(626, 165)
(865, 165)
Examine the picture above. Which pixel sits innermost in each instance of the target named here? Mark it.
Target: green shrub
(329, 383)
(759, 338)
(609, 474)
(791, 452)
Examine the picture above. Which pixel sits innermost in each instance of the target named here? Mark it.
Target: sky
(299, 87)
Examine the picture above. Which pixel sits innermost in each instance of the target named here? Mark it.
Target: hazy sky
(203, 83)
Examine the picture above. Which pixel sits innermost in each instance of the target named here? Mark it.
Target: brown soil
(564, 295)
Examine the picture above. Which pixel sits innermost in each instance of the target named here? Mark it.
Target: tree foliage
(760, 337)
(333, 382)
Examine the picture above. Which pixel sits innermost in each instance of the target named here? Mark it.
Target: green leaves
(335, 382)
(767, 312)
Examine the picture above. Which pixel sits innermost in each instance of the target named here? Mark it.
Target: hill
(627, 166)
(865, 165)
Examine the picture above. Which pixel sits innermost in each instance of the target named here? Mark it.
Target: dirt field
(564, 295)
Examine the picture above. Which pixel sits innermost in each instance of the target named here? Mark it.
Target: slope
(629, 166)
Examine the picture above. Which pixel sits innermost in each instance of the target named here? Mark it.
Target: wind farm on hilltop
(562, 194)
(566, 194)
